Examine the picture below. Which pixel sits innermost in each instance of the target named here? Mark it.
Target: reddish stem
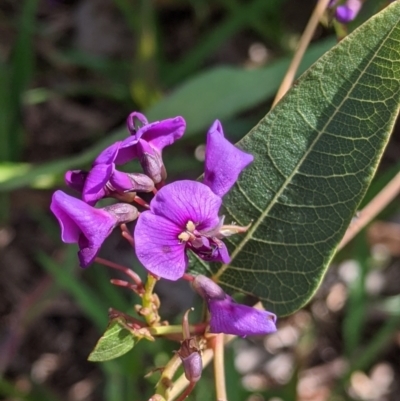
(188, 277)
(131, 321)
(141, 202)
(187, 392)
(125, 284)
(130, 273)
(127, 235)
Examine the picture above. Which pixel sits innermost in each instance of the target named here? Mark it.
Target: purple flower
(104, 180)
(147, 143)
(229, 317)
(183, 215)
(348, 12)
(87, 226)
(223, 162)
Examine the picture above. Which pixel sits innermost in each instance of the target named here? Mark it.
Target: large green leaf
(315, 155)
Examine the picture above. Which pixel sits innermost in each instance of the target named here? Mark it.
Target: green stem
(164, 385)
(173, 329)
(150, 302)
(219, 367)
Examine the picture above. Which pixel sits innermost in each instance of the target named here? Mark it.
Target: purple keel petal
(121, 181)
(223, 162)
(184, 201)
(158, 248)
(231, 318)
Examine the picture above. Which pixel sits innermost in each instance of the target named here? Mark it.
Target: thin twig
(301, 49)
(130, 273)
(219, 367)
(377, 204)
(127, 235)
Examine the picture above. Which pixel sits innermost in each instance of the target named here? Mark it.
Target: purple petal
(94, 188)
(130, 121)
(184, 201)
(121, 181)
(223, 162)
(75, 179)
(81, 223)
(153, 138)
(158, 248)
(221, 254)
(108, 155)
(128, 150)
(349, 11)
(163, 133)
(231, 318)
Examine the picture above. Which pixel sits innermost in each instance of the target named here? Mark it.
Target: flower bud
(207, 289)
(191, 359)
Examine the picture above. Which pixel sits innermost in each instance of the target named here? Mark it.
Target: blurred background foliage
(70, 72)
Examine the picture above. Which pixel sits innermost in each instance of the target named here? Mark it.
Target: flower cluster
(183, 216)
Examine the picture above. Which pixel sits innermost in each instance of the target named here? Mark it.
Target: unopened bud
(191, 359)
(207, 289)
(190, 352)
(123, 212)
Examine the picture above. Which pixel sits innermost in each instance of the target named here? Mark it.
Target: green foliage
(116, 341)
(315, 155)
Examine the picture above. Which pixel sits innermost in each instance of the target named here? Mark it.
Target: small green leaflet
(116, 341)
(315, 155)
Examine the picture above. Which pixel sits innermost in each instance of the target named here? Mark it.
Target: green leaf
(315, 155)
(233, 91)
(116, 341)
(224, 91)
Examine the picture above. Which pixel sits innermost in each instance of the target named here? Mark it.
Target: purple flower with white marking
(87, 226)
(223, 161)
(229, 317)
(147, 143)
(184, 215)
